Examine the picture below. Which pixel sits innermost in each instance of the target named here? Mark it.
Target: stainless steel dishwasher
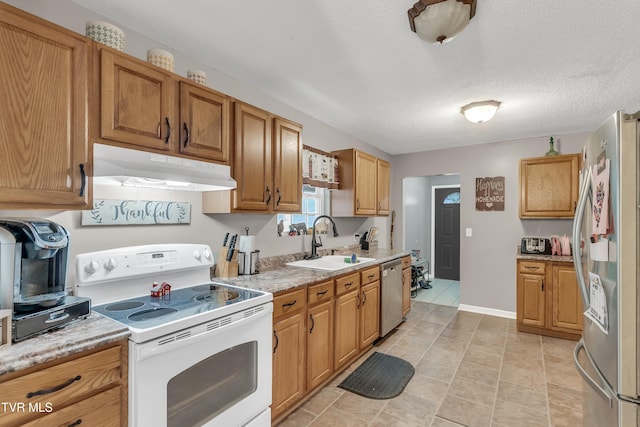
(391, 296)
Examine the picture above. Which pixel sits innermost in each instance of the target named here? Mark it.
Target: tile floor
(471, 370)
(442, 292)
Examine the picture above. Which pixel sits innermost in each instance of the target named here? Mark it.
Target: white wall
(487, 260)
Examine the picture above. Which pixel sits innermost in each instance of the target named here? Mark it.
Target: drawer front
(59, 384)
(347, 283)
(100, 410)
(531, 267)
(320, 292)
(406, 262)
(370, 275)
(290, 302)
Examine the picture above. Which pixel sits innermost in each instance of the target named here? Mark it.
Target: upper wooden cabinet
(43, 114)
(287, 165)
(204, 123)
(549, 186)
(252, 159)
(364, 185)
(142, 105)
(267, 165)
(383, 180)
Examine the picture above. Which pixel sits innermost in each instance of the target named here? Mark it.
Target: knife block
(227, 268)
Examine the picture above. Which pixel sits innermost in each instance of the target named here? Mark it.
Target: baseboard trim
(489, 311)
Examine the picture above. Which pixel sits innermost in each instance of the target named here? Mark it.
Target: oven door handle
(161, 345)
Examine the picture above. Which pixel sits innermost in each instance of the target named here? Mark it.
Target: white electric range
(199, 351)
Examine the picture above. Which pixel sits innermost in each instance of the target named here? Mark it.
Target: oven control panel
(95, 267)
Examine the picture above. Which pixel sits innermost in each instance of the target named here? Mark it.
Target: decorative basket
(106, 33)
(161, 58)
(197, 76)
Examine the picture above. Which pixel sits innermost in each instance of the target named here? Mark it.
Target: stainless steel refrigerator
(605, 247)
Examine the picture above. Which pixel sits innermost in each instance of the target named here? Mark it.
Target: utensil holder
(227, 268)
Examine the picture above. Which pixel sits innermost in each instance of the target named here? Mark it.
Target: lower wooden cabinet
(369, 314)
(347, 344)
(319, 344)
(289, 335)
(89, 388)
(548, 299)
(406, 285)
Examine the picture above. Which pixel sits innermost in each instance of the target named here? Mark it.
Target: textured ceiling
(557, 66)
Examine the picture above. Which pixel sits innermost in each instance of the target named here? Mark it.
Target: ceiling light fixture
(439, 21)
(480, 112)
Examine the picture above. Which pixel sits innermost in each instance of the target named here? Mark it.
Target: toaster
(535, 246)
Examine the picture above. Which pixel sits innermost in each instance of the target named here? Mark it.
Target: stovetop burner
(151, 313)
(120, 306)
(220, 295)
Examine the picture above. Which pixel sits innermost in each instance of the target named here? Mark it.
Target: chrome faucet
(315, 244)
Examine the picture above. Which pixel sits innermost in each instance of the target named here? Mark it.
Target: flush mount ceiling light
(480, 112)
(439, 21)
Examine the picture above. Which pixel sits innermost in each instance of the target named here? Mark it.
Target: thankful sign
(490, 193)
(129, 212)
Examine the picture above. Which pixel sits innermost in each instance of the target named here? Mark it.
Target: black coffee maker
(33, 272)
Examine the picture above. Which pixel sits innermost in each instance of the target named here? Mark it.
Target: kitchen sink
(328, 262)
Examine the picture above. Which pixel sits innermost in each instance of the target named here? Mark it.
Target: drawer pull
(531, 267)
(371, 276)
(346, 285)
(76, 423)
(321, 293)
(53, 389)
(289, 304)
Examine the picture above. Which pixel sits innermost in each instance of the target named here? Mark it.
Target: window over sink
(315, 202)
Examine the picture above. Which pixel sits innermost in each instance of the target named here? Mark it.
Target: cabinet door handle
(83, 178)
(76, 423)
(289, 304)
(364, 298)
(53, 389)
(542, 285)
(279, 196)
(268, 195)
(186, 131)
(358, 299)
(313, 322)
(166, 138)
(358, 204)
(321, 293)
(277, 342)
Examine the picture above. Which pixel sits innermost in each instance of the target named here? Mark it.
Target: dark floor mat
(379, 377)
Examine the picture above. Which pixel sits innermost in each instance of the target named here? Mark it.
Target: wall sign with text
(136, 212)
(490, 193)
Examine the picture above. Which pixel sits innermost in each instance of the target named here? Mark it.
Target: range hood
(122, 166)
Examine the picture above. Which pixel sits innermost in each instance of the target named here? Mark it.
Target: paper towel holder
(253, 262)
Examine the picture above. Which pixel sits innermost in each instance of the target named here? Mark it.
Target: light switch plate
(468, 232)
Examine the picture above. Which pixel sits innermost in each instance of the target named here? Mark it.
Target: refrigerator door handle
(594, 385)
(585, 188)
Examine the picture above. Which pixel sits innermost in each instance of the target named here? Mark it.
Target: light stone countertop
(554, 258)
(283, 278)
(77, 336)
